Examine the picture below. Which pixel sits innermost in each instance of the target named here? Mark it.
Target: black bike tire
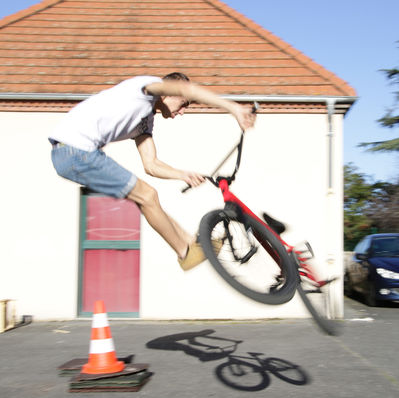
(276, 297)
(329, 326)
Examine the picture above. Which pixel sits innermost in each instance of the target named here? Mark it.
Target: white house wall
(39, 217)
(284, 171)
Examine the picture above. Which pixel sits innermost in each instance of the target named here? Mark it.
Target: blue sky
(352, 38)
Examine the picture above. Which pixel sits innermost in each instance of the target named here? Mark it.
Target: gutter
(43, 97)
(290, 98)
(242, 98)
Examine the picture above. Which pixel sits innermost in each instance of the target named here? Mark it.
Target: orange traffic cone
(102, 356)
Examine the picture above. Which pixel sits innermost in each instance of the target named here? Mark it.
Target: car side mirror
(361, 256)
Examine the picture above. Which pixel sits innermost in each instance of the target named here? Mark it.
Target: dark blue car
(373, 270)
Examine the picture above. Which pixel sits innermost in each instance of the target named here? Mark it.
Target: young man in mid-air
(126, 111)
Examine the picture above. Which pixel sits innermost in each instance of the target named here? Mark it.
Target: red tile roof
(72, 46)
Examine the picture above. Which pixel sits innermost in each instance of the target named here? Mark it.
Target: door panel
(109, 266)
(112, 276)
(112, 219)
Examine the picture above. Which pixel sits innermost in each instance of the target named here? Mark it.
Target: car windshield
(387, 246)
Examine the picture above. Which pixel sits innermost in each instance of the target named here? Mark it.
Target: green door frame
(96, 245)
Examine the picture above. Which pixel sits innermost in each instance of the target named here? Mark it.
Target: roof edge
(232, 97)
(341, 84)
(28, 11)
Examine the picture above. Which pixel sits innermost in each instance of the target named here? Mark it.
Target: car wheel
(371, 300)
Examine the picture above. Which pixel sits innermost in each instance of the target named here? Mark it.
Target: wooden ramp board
(122, 383)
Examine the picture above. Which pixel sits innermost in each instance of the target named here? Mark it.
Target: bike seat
(276, 225)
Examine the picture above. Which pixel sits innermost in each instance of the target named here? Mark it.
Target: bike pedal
(306, 252)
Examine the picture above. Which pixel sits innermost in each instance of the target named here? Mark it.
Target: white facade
(284, 170)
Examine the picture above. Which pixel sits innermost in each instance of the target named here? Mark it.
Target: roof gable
(71, 46)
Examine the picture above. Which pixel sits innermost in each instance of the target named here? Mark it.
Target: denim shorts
(95, 170)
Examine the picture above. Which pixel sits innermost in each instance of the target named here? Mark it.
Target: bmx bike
(250, 255)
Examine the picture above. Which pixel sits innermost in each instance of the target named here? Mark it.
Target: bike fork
(248, 230)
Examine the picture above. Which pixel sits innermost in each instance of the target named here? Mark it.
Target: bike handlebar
(238, 146)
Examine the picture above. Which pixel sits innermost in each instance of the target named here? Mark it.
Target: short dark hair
(176, 76)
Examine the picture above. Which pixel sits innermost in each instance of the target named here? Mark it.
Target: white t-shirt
(118, 113)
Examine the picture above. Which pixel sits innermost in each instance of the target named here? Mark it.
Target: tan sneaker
(195, 254)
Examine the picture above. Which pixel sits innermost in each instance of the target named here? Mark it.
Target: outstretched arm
(193, 92)
(156, 168)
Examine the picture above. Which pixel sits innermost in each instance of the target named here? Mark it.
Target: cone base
(118, 366)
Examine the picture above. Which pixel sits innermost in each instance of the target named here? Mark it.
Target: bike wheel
(242, 376)
(253, 262)
(316, 300)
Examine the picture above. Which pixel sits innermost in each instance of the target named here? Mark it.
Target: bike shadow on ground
(250, 372)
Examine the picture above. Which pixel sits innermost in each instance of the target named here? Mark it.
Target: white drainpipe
(330, 113)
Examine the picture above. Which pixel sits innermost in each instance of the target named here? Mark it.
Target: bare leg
(146, 198)
(182, 233)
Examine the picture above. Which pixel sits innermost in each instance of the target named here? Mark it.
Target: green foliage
(357, 196)
(382, 146)
(390, 119)
(372, 207)
(384, 208)
(369, 207)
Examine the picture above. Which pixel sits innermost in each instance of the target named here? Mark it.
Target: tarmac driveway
(287, 358)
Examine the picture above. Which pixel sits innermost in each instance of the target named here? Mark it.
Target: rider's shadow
(245, 373)
(197, 344)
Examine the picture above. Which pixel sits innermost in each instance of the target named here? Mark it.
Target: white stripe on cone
(100, 321)
(101, 346)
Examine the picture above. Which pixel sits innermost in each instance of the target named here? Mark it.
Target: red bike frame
(304, 269)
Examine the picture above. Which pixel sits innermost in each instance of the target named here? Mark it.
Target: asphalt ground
(270, 358)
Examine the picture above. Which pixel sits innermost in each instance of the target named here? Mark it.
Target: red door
(109, 256)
